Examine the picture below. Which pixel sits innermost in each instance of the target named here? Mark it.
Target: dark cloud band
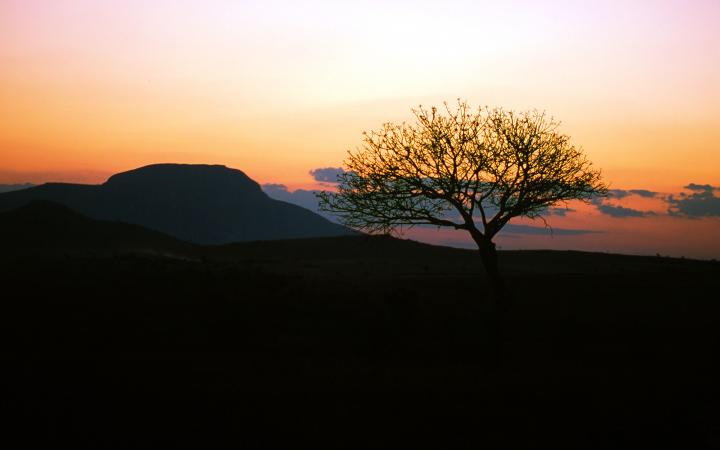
(327, 174)
(701, 202)
(621, 211)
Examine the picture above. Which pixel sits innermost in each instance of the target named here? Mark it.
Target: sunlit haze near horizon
(279, 88)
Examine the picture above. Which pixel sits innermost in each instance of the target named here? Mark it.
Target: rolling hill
(43, 228)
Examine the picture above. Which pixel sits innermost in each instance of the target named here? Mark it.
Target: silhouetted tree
(471, 170)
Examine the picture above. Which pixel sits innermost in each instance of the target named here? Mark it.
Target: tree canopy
(470, 169)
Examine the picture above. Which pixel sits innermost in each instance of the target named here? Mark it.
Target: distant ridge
(47, 228)
(42, 229)
(14, 187)
(203, 204)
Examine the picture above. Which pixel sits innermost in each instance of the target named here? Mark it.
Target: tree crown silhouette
(468, 169)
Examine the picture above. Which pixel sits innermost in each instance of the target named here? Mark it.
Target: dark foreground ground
(357, 348)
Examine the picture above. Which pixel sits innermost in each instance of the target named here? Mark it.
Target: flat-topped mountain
(204, 204)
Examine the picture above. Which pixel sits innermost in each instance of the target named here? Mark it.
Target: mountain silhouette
(203, 204)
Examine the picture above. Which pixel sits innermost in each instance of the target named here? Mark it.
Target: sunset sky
(279, 88)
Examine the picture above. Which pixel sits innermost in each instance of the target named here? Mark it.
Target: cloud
(622, 193)
(274, 188)
(529, 229)
(299, 197)
(621, 211)
(614, 193)
(327, 174)
(701, 187)
(701, 202)
(560, 212)
(644, 193)
(617, 211)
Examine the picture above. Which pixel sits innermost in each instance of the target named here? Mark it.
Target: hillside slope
(43, 228)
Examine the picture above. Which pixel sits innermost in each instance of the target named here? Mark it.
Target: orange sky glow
(277, 88)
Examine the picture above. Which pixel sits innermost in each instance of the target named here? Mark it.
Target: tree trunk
(488, 255)
(499, 302)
